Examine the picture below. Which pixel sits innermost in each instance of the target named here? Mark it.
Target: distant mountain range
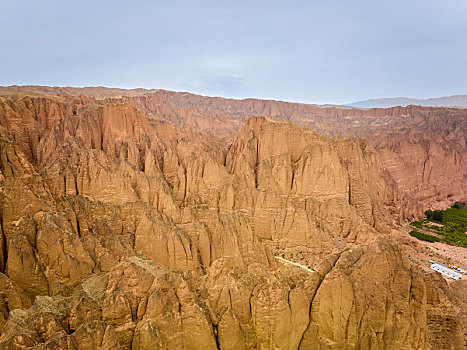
(454, 101)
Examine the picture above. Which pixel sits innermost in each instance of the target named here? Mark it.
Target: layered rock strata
(125, 226)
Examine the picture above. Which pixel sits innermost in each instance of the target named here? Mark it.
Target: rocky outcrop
(368, 297)
(136, 222)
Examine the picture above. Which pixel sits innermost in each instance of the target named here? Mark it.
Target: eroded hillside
(151, 220)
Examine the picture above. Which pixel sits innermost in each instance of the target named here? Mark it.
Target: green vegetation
(423, 236)
(459, 205)
(456, 217)
(436, 215)
(453, 228)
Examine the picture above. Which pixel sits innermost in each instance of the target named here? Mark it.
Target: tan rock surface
(150, 220)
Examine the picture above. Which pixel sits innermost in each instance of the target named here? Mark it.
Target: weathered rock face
(139, 221)
(365, 300)
(423, 148)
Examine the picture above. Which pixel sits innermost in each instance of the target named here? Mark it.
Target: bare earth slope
(152, 219)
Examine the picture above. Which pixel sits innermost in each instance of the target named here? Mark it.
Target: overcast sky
(328, 51)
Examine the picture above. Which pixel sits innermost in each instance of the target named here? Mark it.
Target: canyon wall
(154, 221)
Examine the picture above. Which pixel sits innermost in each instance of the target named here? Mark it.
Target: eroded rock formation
(156, 220)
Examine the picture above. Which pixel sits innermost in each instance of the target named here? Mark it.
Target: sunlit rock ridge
(151, 219)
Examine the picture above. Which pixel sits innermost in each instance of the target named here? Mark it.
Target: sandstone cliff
(423, 148)
(149, 221)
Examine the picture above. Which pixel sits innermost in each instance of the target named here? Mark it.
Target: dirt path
(294, 263)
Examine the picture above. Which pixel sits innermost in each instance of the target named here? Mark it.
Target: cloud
(226, 62)
(231, 84)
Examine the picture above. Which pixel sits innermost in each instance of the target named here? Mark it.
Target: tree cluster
(436, 215)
